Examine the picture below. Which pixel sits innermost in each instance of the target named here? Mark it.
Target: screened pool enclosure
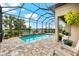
(26, 19)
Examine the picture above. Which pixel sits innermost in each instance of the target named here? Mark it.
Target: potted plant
(63, 32)
(60, 37)
(66, 33)
(71, 18)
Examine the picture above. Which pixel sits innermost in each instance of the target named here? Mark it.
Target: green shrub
(65, 33)
(16, 33)
(60, 37)
(6, 36)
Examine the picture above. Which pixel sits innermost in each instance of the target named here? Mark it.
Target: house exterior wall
(75, 34)
(66, 8)
(62, 10)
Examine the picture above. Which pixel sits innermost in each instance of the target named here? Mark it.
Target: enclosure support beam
(46, 27)
(44, 21)
(49, 28)
(48, 24)
(1, 33)
(57, 28)
(42, 27)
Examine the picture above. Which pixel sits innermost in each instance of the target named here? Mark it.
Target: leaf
(71, 18)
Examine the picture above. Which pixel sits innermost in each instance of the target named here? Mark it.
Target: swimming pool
(30, 38)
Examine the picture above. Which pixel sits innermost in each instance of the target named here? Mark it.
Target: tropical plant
(5, 21)
(72, 18)
(13, 25)
(65, 33)
(11, 20)
(60, 36)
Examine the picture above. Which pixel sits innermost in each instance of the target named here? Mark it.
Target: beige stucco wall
(59, 11)
(75, 34)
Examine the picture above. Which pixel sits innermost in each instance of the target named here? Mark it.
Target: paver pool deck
(15, 47)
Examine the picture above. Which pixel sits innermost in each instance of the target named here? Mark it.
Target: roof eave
(52, 8)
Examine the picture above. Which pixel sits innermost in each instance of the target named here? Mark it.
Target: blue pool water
(30, 38)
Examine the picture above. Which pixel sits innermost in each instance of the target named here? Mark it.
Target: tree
(8, 24)
(13, 25)
(5, 21)
(11, 20)
(72, 18)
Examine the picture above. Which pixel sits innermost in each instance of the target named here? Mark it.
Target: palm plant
(13, 25)
(19, 25)
(5, 21)
(5, 24)
(11, 20)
